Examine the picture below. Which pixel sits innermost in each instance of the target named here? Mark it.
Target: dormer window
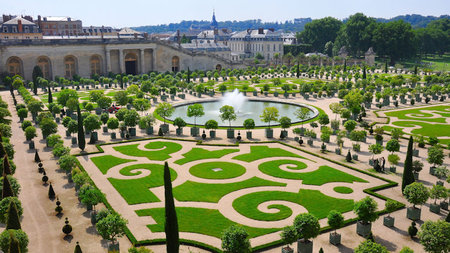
(14, 29)
(27, 29)
(5, 29)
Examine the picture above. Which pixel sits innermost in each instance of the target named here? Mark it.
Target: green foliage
(171, 224)
(81, 139)
(235, 240)
(21, 236)
(48, 126)
(111, 227)
(92, 122)
(393, 145)
(289, 235)
(319, 32)
(4, 206)
(307, 226)
(30, 132)
(434, 236)
(139, 250)
(54, 139)
(285, 122)
(269, 114)
(435, 155)
(146, 121)
(406, 250)
(179, 122)
(67, 162)
(165, 110)
(22, 113)
(335, 219)
(15, 186)
(393, 159)
(416, 193)
(408, 176)
(113, 123)
(376, 149)
(65, 95)
(106, 162)
(438, 192)
(90, 195)
(211, 124)
(104, 117)
(350, 125)
(131, 118)
(59, 150)
(121, 97)
(366, 209)
(227, 114)
(369, 246)
(13, 217)
(25, 124)
(195, 110)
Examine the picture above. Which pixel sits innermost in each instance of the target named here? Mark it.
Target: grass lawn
(427, 130)
(199, 220)
(259, 152)
(106, 162)
(320, 176)
(136, 191)
(212, 193)
(200, 153)
(343, 189)
(162, 151)
(314, 201)
(423, 116)
(217, 170)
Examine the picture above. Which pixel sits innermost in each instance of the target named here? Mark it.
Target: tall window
(44, 64)
(95, 65)
(14, 66)
(175, 64)
(70, 66)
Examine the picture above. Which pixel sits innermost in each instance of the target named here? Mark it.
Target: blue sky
(150, 12)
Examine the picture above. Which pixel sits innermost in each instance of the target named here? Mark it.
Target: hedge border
(370, 191)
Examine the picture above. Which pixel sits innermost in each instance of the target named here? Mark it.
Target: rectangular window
(14, 29)
(5, 29)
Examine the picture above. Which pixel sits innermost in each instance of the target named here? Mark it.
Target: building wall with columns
(82, 57)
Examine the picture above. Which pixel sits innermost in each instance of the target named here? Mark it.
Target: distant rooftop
(15, 21)
(58, 19)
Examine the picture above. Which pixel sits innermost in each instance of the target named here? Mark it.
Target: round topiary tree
(179, 123)
(416, 194)
(235, 240)
(369, 246)
(307, 227)
(365, 209)
(434, 236)
(213, 125)
(288, 236)
(335, 221)
(67, 228)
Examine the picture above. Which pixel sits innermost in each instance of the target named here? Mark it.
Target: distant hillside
(296, 25)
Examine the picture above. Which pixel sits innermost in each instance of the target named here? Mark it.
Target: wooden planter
(230, 133)
(194, 131)
(304, 246)
(388, 221)
(363, 229)
(179, 131)
(444, 205)
(249, 134)
(435, 208)
(74, 140)
(212, 133)
(165, 128)
(413, 213)
(113, 136)
(269, 133)
(335, 238)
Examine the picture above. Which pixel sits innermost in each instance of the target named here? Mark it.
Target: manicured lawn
(202, 192)
(199, 153)
(259, 152)
(136, 191)
(217, 170)
(420, 115)
(162, 151)
(320, 176)
(199, 220)
(343, 189)
(106, 162)
(435, 130)
(314, 201)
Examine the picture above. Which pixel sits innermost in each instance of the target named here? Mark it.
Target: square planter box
(416, 152)
(337, 151)
(149, 130)
(194, 131)
(249, 134)
(275, 94)
(179, 131)
(432, 170)
(393, 169)
(132, 131)
(105, 129)
(286, 95)
(165, 128)
(335, 238)
(416, 176)
(444, 205)
(230, 133)
(363, 229)
(287, 250)
(413, 213)
(304, 246)
(355, 157)
(310, 142)
(212, 134)
(269, 133)
(74, 140)
(114, 248)
(67, 133)
(31, 145)
(388, 221)
(255, 93)
(435, 208)
(284, 133)
(113, 136)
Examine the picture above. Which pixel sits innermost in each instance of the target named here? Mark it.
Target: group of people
(378, 164)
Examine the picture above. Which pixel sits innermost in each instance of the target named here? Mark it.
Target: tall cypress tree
(385, 67)
(188, 75)
(298, 69)
(81, 140)
(12, 221)
(7, 189)
(14, 246)
(364, 72)
(171, 225)
(408, 176)
(50, 97)
(6, 166)
(345, 65)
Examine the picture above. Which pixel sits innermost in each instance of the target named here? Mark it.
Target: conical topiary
(160, 132)
(67, 229)
(58, 207)
(6, 166)
(321, 250)
(78, 248)
(37, 159)
(14, 246)
(12, 221)
(348, 157)
(7, 189)
(51, 192)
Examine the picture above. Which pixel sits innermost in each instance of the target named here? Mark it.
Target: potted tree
(213, 125)
(307, 227)
(249, 124)
(365, 209)
(390, 206)
(335, 221)
(375, 149)
(441, 172)
(393, 160)
(435, 157)
(302, 114)
(104, 119)
(437, 192)
(179, 123)
(227, 114)
(92, 123)
(416, 194)
(30, 133)
(269, 114)
(110, 228)
(113, 124)
(164, 110)
(131, 119)
(195, 110)
(417, 166)
(285, 122)
(288, 236)
(146, 123)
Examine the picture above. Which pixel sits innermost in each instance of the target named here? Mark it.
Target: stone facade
(247, 44)
(85, 57)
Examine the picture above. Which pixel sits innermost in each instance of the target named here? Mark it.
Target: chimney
(260, 30)
(45, 18)
(39, 23)
(19, 23)
(103, 28)
(69, 19)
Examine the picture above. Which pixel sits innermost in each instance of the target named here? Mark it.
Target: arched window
(14, 66)
(70, 66)
(44, 63)
(95, 65)
(175, 64)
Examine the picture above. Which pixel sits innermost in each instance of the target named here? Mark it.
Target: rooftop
(15, 21)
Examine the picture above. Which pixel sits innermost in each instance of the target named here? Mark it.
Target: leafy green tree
(353, 101)
(92, 123)
(235, 240)
(435, 155)
(335, 220)
(65, 95)
(4, 208)
(307, 226)
(408, 176)
(111, 227)
(227, 114)
(164, 110)
(104, 102)
(359, 29)
(393, 145)
(22, 113)
(302, 114)
(369, 246)
(95, 95)
(146, 121)
(319, 32)
(195, 110)
(30, 133)
(435, 236)
(269, 114)
(179, 122)
(67, 162)
(249, 124)
(366, 210)
(171, 223)
(289, 235)
(285, 122)
(37, 73)
(131, 118)
(48, 126)
(350, 125)
(416, 194)
(90, 195)
(121, 97)
(113, 123)
(35, 106)
(141, 104)
(19, 235)
(13, 218)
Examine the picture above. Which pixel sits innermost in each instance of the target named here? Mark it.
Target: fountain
(235, 99)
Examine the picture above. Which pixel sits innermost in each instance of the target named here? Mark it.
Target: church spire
(214, 24)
